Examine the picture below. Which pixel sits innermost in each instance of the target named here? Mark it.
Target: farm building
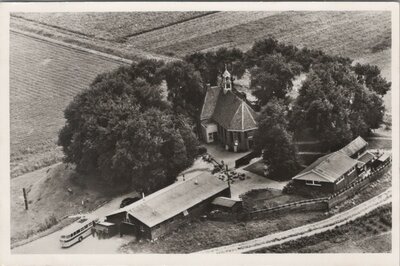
(366, 160)
(329, 173)
(355, 148)
(227, 118)
(168, 208)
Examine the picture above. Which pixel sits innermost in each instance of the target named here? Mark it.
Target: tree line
(123, 128)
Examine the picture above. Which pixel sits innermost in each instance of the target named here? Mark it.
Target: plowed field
(44, 78)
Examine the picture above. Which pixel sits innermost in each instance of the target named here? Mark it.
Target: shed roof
(174, 199)
(366, 157)
(328, 168)
(225, 202)
(353, 147)
(384, 156)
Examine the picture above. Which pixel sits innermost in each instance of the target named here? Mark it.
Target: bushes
(48, 223)
(201, 150)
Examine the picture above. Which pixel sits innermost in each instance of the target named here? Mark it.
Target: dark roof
(210, 101)
(355, 146)
(225, 202)
(328, 168)
(232, 113)
(174, 199)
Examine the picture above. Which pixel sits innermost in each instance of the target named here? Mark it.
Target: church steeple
(226, 80)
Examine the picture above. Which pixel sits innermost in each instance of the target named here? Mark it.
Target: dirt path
(306, 230)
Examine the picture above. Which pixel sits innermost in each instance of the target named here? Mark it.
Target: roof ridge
(230, 122)
(251, 115)
(242, 116)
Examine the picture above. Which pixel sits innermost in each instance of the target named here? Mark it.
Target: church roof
(228, 110)
(210, 102)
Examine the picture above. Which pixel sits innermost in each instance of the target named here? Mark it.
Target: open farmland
(168, 37)
(351, 34)
(44, 77)
(110, 26)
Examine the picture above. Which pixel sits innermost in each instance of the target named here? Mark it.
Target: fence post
(25, 199)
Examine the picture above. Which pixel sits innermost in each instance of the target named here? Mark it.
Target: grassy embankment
(50, 201)
(368, 234)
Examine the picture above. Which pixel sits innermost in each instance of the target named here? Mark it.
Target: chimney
(142, 195)
(196, 182)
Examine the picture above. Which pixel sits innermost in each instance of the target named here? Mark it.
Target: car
(128, 201)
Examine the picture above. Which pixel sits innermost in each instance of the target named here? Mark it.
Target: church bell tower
(226, 81)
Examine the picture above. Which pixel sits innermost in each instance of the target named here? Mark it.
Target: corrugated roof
(232, 113)
(328, 168)
(174, 199)
(210, 101)
(366, 157)
(225, 202)
(354, 146)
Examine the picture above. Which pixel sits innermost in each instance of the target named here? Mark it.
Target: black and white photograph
(208, 128)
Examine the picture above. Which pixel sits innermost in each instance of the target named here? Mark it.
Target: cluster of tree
(336, 105)
(212, 64)
(122, 129)
(337, 101)
(274, 140)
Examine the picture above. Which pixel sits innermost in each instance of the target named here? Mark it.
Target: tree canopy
(185, 88)
(336, 106)
(123, 130)
(275, 141)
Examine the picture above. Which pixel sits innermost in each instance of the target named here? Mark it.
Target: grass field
(110, 26)
(44, 78)
(268, 198)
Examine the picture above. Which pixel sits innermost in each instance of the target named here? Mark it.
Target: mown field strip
(44, 77)
(306, 230)
(111, 25)
(193, 28)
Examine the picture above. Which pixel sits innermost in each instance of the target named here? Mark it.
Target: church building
(227, 118)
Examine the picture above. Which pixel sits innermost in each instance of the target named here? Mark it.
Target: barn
(329, 173)
(355, 148)
(170, 207)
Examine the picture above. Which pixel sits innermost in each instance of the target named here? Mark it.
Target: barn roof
(225, 202)
(327, 168)
(353, 147)
(174, 199)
